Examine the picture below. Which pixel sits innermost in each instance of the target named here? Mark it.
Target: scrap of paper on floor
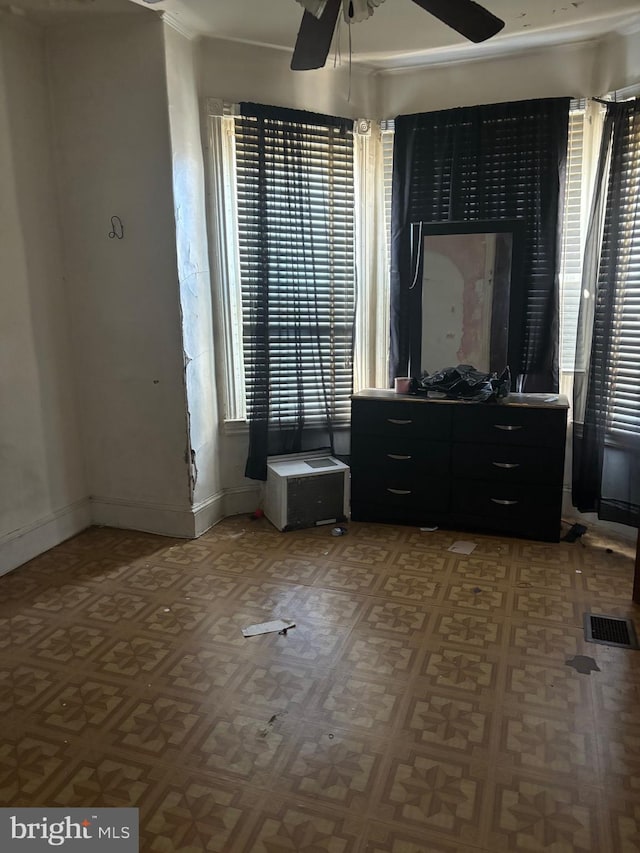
(462, 546)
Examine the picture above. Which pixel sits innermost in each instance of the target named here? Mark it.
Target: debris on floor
(574, 533)
(279, 625)
(462, 546)
(583, 664)
(234, 535)
(338, 531)
(270, 723)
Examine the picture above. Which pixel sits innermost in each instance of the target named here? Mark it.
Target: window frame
(369, 364)
(294, 189)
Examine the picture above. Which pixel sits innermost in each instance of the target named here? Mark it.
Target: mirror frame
(420, 230)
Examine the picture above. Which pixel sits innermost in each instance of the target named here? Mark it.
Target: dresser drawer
(507, 464)
(509, 425)
(403, 495)
(400, 514)
(379, 457)
(519, 503)
(401, 420)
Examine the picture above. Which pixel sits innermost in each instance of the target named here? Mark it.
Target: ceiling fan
(320, 17)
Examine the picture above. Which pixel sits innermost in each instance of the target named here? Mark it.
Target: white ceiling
(398, 34)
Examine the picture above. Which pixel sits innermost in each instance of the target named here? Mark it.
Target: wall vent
(610, 631)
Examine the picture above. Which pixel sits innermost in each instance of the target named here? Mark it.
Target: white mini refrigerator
(306, 491)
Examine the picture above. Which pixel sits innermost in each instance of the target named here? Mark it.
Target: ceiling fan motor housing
(319, 21)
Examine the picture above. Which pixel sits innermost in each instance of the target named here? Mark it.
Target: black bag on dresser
(464, 382)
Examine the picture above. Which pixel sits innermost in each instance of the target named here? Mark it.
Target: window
(343, 173)
(372, 148)
(387, 154)
(572, 238)
(585, 126)
(484, 162)
(623, 379)
(294, 181)
(618, 309)
(606, 473)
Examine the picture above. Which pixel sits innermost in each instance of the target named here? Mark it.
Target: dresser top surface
(531, 401)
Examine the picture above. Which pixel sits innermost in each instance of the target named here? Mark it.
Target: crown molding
(632, 28)
(472, 56)
(632, 91)
(172, 20)
(589, 32)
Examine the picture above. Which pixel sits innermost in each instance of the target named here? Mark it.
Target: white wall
(113, 150)
(42, 485)
(576, 70)
(618, 63)
(193, 270)
(241, 72)
(238, 72)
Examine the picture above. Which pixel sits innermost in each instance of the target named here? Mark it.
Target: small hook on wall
(117, 228)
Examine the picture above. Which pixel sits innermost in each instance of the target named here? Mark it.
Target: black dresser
(495, 467)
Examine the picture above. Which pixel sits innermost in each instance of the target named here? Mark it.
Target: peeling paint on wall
(194, 469)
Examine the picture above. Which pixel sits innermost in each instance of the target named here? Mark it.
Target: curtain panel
(606, 441)
(295, 212)
(498, 161)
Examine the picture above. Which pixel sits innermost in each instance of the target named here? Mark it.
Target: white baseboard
(207, 513)
(26, 543)
(151, 518)
(180, 522)
(244, 499)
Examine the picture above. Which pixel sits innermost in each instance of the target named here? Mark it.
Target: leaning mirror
(465, 299)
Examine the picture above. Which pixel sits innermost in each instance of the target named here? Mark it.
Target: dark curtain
(499, 161)
(295, 203)
(606, 440)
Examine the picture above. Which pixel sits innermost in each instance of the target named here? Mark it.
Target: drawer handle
(506, 464)
(504, 503)
(399, 491)
(397, 456)
(397, 421)
(508, 427)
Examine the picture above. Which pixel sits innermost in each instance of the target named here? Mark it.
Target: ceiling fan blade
(314, 38)
(466, 17)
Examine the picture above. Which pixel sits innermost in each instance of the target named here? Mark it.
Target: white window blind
(296, 225)
(573, 228)
(387, 154)
(371, 352)
(583, 146)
